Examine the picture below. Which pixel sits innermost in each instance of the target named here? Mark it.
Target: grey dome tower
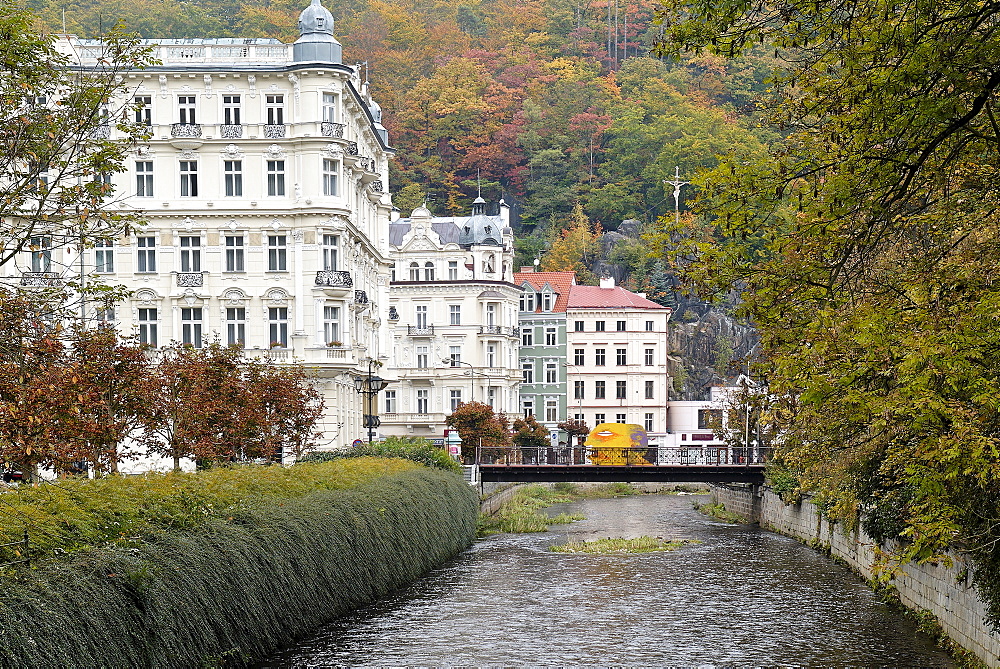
(316, 43)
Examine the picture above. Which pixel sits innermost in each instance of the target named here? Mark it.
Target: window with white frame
(528, 300)
(551, 409)
(620, 388)
(234, 253)
(550, 335)
(453, 270)
(231, 110)
(528, 336)
(105, 315)
(392, 272)
(185, 109)
(331, 252)
(528, 406)
(423, 401)
(620, 418)
(599, 357)
(456, 399)
(455, 355)
(189, 178)
(578, 390)
(330, 107)
(455, 314)
(277, 326)
(104, 256)
(598, 418)
(330, 170)
(491, 355)
(598, 326)
(191, 326)
(144, 178)
(648, 357)
(390, 401)
(649, 326)
(143, 109)
(275, 178)
(620, 326)
(647, 423)
(423, 357)
(414, 271)
(236, 326)
(331, 324)
(428, 271)
(551, 372)
(190, 254)
(649, 390)
(577, 326)
(528, 371)
(546, 301)
(277, 253)
(599, 390)
(145, 254)
(491, 314)
(578, 356)
(147, 326)
(275, 109)
(491, 397)
(41, 253)
(621, 356)
(233, 170)
(421, 312)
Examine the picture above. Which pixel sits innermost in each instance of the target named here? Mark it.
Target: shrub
(235, 586)
(416, 449)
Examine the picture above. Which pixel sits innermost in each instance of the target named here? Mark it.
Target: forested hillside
(549, 103)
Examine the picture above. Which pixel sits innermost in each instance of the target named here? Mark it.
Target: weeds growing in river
(643, 544)
(719, 512)
(520, 514)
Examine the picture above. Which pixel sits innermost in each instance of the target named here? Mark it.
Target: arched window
(414, 272)
(428, 271)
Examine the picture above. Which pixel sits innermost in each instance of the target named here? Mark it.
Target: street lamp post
(370, 386)
(472, 374)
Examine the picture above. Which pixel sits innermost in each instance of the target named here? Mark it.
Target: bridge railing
(617, 456)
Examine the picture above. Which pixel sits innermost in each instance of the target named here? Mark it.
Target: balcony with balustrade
(420, 330)
(336, 283)
(186, 135)
(190, 279)
(40, 280)
(331, 129)
(500, 330)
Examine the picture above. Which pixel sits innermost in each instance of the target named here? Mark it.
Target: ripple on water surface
(742, 597)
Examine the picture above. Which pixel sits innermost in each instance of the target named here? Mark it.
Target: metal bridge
(652, 464)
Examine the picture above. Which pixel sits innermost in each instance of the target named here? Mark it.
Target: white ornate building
(454, 319)
(263, 185)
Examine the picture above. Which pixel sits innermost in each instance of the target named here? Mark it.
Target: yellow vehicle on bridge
(619, 444)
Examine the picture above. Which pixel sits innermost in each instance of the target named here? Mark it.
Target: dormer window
(546, 301)
(528, 300)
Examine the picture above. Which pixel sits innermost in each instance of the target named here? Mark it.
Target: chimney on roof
(527, 269)
(608, 282)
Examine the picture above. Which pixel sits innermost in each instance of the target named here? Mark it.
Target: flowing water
(742, 597)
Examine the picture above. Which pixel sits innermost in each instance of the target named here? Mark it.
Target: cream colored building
(453, 317)
(264, 190)
(616, 357)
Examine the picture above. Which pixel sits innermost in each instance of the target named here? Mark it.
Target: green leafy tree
(866, 246)
(531, 437)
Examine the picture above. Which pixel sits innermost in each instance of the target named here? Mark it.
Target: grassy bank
(215, 572)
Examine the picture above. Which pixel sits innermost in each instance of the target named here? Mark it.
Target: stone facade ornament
(252, 81)
(232, 152)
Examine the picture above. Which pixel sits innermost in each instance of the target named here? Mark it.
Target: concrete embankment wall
(946, 592)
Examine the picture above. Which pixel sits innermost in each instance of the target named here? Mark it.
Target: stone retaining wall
(946, 592)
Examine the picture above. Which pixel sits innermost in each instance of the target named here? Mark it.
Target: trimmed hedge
(234, 589)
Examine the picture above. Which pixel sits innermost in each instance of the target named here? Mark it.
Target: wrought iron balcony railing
(502, 330)
(420, 331)
(190, 279)
(274, 131)
(352, 149)
(330, 129)
(376, 186)
(334, 278)
(40, 279)
(185, 130)
(393, 314)
(230, 131)
(360, 297)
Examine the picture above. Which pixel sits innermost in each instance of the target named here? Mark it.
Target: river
(742, 597)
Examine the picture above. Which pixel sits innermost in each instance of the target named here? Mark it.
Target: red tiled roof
(595, 297)
(561, 282)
